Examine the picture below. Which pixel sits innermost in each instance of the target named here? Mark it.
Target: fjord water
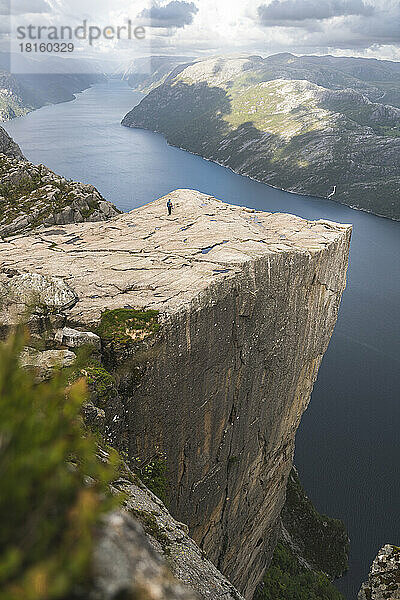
(347, 451)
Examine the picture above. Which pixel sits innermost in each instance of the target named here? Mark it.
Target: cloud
(20, 7)
(174, 14)
(325, 25)
(295, 12)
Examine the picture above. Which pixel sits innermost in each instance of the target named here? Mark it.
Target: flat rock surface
(147, 259)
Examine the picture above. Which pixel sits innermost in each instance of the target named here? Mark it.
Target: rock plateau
(242, 305)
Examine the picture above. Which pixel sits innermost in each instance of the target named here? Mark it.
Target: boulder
(25, 294)
(72, 338)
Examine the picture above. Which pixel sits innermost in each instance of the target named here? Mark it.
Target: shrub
(54, 488)
(153, 474)
(285, 579)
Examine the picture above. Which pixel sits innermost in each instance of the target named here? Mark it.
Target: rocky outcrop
(127, 556)
(216, 323)
(127, 566)
(73, 338)
(32, 296)
(287, 121)
(43, 364)
(8, 146)
(11, 104)
(31, 196)
(384, 578)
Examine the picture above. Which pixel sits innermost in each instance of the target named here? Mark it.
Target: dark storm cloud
(174, 14)
(295, 12)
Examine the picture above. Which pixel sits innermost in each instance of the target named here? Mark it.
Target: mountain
(27, 90)
(322, 126)
(32, 195)
(145, 73)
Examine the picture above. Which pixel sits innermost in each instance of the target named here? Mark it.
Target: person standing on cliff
(170, 207)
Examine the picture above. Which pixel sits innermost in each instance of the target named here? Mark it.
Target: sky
(366, 28)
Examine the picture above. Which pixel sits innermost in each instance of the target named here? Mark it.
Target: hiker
(169, 206)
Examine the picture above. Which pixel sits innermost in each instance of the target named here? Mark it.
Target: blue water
(348, 443)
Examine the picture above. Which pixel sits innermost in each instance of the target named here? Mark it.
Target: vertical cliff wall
(236, 372)
(247, 303)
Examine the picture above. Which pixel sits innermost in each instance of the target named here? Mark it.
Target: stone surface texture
(8, 147)
(384, 578)
(125, 565)
(248, 302)
(43, 363)
(32, 195)
(170, 545)
(22, 293)
(72, 338)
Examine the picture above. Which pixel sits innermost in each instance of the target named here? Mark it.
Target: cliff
(311, 125)
(32, 195)
(214, 368)
(320, 542)
(384, 577)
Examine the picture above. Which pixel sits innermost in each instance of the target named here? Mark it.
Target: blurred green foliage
(54, 488)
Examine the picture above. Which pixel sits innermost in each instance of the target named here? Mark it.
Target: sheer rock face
(248, 301)
(384, 578)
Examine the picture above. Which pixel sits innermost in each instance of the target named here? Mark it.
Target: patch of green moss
(285, 579)
(101, 382)
(127, 326)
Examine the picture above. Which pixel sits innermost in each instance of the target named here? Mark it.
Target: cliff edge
(236, 309)
(8, 147)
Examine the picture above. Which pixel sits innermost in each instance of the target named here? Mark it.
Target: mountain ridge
(285, 122)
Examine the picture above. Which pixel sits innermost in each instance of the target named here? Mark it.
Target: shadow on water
(347, 448)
